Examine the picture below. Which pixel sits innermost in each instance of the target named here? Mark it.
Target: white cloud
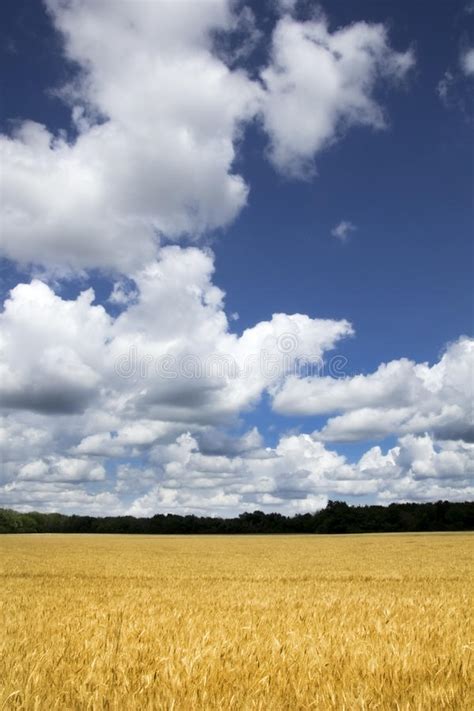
(467, 62)
(424, 470)
(186, 365)
(59, 497)
(299, 474)
(399, 397)
(61, 469)
(17, 440)
(66, 415)
(158, 115)
(51, 349)
(86, 385)
(342, 230)
(319, 84)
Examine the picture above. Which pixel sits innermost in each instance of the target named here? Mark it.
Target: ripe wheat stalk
(270, 623)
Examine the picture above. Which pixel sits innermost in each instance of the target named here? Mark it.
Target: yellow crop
(280, 622)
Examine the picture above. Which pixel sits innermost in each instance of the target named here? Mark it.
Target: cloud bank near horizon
(87, 432)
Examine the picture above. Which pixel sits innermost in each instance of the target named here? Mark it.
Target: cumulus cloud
(157, 113)
(18, 438)
(342, 230)
(61, 469)
(51, 350)
(58, 496)
(419, 469)
(87, 386)
(177, 358)
(299, 474)
(161, 430)
(168, 356)
(320, 83)
(399, 397)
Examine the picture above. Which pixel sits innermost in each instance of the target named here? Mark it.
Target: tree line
(337, 517)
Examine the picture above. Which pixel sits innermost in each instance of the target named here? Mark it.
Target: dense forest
(337, 517)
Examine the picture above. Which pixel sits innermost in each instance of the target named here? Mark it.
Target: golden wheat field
(249, 622)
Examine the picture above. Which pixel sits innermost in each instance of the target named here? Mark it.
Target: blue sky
(392, 158)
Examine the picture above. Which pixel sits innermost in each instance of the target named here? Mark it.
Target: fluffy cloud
(84, 386)
(420, 469)
(157, 113)
(179, 361)
(61, 469)
(58, 496)
(319, 84)
(467, 62)
(169, 356)
(52, 350)
(18, 438)
(294, 476)
(299, 474)
(399, 397)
